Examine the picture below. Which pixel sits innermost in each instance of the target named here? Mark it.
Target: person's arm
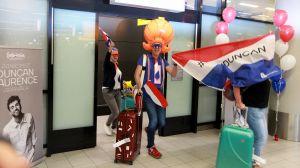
(4, 134)
(33, 133)
(238, 99)
(30, 155)
(107, 59)
(137, 77)
(108, 53)
(172, 70)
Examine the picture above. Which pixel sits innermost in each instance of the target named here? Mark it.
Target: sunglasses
(115, 55)
(156, 45)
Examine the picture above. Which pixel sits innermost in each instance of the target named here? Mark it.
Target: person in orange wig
(151, 67)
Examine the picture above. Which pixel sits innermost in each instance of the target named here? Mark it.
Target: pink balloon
(286, 33)
(222, 27)
(229, 14)
(280, 17)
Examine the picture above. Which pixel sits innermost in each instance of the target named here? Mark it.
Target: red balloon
(222, 27)
(280, 17)
(286, 33)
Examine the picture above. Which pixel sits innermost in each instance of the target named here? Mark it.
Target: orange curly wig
(158, 31)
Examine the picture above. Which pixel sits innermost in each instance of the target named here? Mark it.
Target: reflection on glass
(190, 4)
(208, 34)
(207, 97)
(23, 24)
(179, 93)
(207, 105)
(74, 69)
(254, 9)
(212, 6)
(241, 29)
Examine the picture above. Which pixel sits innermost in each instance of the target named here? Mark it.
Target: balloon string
(223, 109)
(278, 103)
(277, 110)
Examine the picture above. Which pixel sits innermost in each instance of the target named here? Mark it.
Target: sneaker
(255, 165)
(107, 130)
(154, 152)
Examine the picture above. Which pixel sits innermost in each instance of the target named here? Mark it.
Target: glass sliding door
(73, 124)
(179, 90)
(207, 97)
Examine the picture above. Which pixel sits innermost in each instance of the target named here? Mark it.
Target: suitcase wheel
(115, 161)
(130, 163)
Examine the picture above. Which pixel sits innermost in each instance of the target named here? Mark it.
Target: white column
(290, 98)
(289, 110)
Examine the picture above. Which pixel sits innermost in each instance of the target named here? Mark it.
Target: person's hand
(241, 106)
(9, 157)
(140, 91)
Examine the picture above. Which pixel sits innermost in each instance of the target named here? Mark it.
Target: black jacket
(257, 95)
(109, 73)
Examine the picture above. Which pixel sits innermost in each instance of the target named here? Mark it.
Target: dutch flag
(155, 94)
(106, 38)
(243, 62)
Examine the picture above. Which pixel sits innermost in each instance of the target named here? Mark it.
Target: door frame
(73, 138)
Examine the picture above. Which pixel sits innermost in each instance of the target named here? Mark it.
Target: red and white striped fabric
(155, 94)
(244, 62)
(106, 38)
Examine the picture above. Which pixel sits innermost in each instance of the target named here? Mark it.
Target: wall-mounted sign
(164, 5)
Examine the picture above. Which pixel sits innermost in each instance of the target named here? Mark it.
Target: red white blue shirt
(156, 75)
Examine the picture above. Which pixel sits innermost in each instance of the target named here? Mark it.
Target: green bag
(127, 102)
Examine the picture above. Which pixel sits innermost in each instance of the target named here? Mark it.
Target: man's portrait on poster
(20, 130)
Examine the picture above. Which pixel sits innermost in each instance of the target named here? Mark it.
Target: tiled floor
(180, 151)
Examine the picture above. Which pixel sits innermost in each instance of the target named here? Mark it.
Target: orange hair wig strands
(158, 31)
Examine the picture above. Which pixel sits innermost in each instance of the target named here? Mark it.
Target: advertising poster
(21, 101)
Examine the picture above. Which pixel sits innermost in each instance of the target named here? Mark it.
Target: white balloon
(287, 62)
(222, 38)
(281, 47)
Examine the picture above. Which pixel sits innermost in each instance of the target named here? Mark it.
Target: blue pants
(157, 117)
(257, 120)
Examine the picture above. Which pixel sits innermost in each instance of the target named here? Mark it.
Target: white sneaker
(107, 130)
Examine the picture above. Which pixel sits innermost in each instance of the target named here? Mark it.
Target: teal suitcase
(235, 147)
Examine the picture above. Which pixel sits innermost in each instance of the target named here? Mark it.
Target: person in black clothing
(256, 98)
(111, 88)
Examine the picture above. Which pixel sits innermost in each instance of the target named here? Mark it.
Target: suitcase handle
(139, 102)
(240, 117)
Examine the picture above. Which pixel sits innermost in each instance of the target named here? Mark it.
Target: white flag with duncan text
(244, 62)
